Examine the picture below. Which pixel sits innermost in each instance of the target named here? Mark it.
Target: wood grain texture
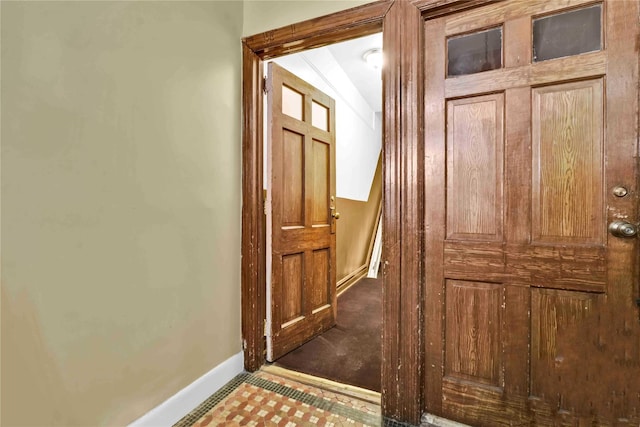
(321, 289)
(434, 219)
(434, 8)
(253, 240)
(517, 216)
(541, 73)
(556, 320)
(321, 182)
(293, 179)
(515, 339)
(301, 304)
(391, 238)
(356, 22)
(314, 33)
(568, 163)
(291, 298)
(473, 342)
(483, 406)
(496, 13)
(517, 182)
(402, 213)
(557, 267)
(517, 42)
(568, 320)
(474, 167)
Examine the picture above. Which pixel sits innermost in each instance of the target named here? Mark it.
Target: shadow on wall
(30, 378)
(355, 228)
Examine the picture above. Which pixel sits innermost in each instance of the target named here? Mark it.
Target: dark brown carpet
(350, 352)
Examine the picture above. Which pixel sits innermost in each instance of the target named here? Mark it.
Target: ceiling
(366, 79)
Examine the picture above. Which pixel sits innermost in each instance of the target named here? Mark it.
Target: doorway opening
(402, 183)
(351, 351)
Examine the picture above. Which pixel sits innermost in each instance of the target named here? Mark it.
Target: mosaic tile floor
(265, 400)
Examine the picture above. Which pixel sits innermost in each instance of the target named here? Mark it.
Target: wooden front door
(531, 145)
(301, 262)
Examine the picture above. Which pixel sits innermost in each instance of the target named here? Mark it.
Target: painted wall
(355, 228)
(265, 15)
(121, 200)
(120, 205)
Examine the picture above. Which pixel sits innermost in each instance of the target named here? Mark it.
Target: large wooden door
(301, 296)
(531, 145)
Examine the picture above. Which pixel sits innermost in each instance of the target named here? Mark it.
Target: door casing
(403, 165)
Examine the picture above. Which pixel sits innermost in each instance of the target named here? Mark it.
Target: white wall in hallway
(358, 137)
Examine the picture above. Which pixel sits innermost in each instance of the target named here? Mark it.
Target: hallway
(350, 352)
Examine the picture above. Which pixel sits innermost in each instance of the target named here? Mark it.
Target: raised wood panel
(321, 182)
(292, 179)
(568, 163)
(474, 167)
(320, 290)
(483, 404)
(473, 332)
(292, 288)
(558, 320)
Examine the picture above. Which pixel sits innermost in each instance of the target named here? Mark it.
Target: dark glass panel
(567, 33)
(473, 53)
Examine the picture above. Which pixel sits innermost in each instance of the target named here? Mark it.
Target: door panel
(321, 288)
(471, 341)
(292, 280)
(301, 295)
(321, 183)
(568, 163)
(474, 162)
(531, 314)
(293, 179)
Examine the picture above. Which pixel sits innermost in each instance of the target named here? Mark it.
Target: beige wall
(121, 200)
(120, 205)
(264, 15)
(355, 227)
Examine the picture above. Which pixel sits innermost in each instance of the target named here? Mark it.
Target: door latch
(623, 229)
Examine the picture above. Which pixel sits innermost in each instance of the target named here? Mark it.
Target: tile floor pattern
(265, 400)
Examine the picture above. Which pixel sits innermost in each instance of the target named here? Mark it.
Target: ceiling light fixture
(373, 57)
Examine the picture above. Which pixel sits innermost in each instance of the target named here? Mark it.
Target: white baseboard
(177, 406)
(434, 420)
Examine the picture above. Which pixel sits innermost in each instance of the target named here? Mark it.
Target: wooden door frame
(403, 180)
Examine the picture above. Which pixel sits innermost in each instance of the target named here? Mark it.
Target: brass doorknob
(336, 215)
(623, 229)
